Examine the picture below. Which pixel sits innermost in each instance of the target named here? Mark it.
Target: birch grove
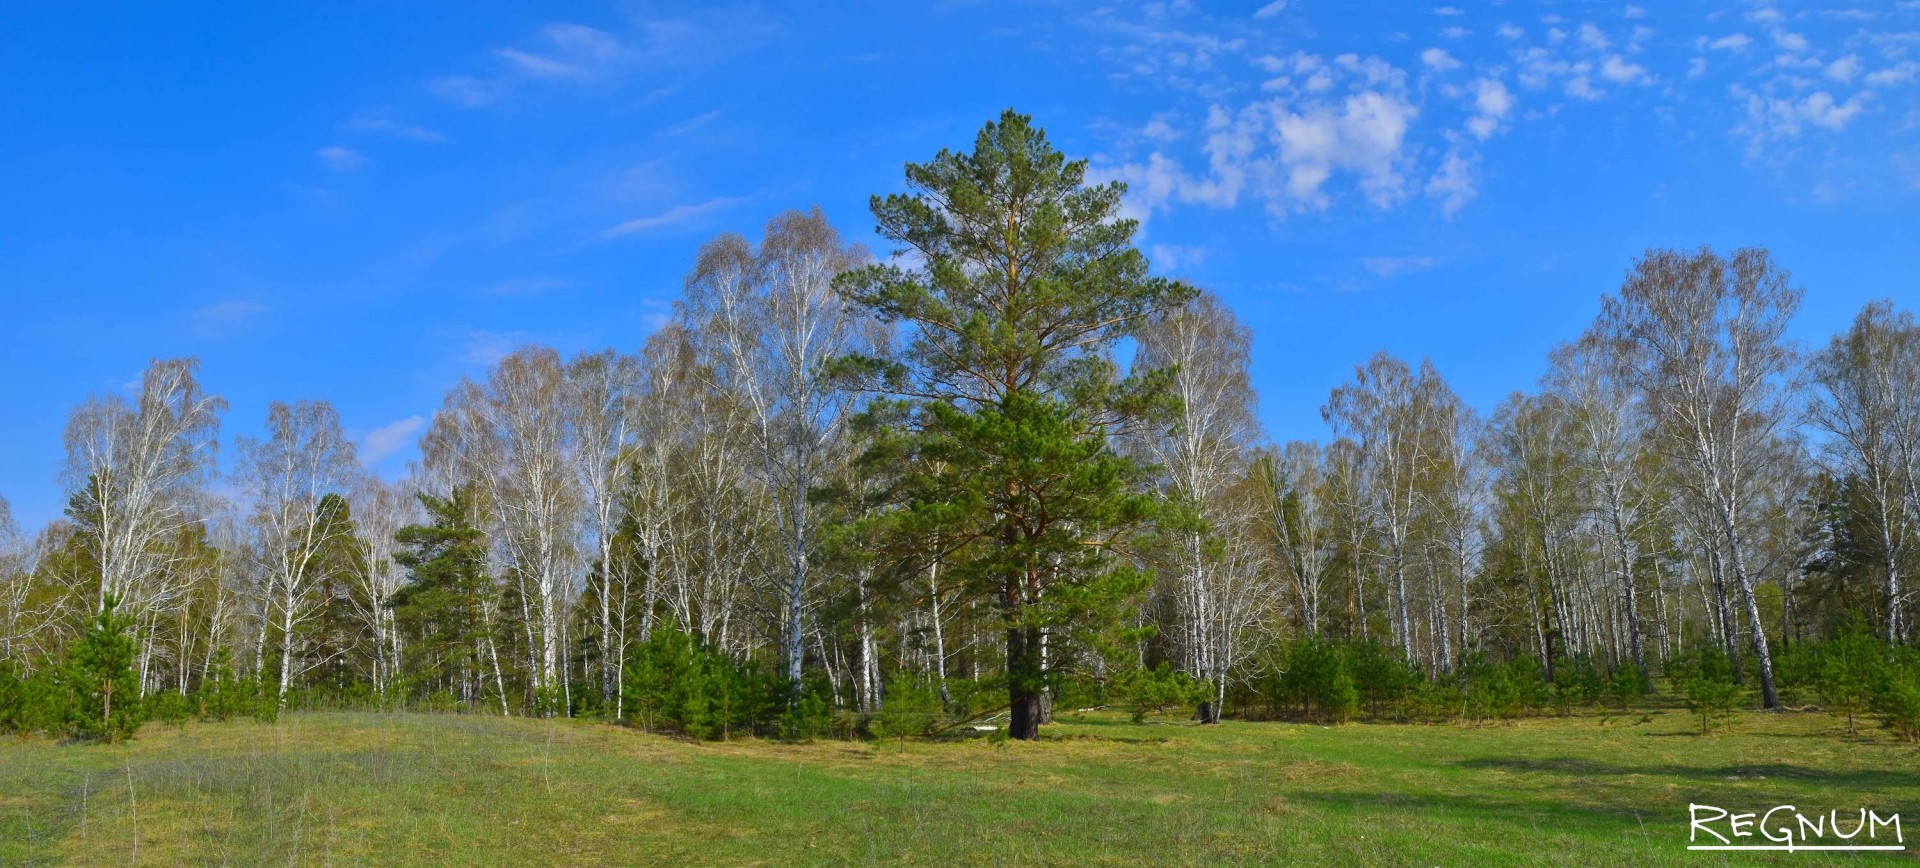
(1000, 470)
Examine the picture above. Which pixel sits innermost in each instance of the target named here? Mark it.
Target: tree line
(1003, 467)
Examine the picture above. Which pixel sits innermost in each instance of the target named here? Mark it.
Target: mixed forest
(1000, 468)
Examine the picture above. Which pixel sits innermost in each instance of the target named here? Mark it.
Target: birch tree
(605, 387)
(1291, 491)
(1204, 452)
(1704, 340)
(770, 320)
(380, 510)
(131, 467)
(1869, 401)
(537, 507)
(132, 470)
(1387, 409)
(1610, 421)
(297, 479)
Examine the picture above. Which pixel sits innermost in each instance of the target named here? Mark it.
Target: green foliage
(1381, 675)
(1028, 277)
(1492, 691)
(1705, 678)
(441, 610)
(1577, 681)
(912, 707)
(1154, 691)
(1314, 675)
(33, 703)
(170, 707)
(1625, 688)
(1898, 695)
(106, 693)
(675, 683)
(223, 695)
(1847, 671)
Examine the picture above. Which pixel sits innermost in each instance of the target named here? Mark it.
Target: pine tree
(442, 611)
(106, 692)
(1027, 280)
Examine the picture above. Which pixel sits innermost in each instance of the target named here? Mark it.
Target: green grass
(373, 788)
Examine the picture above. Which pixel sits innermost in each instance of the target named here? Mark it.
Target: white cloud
(1790, 41)
(1731, 42)
(1775, 118)
(1173, 257)
(1491, 102)
(1364, 135)
(389, 439)
(1634, 12)
(1449, 11)
(1160, 129)
(1455, 32)
(1899, 73)
(1766, 15)
(1591, 37)
(678, 215)
(1393, 266)
(1509, 31)
(1271, 9)
(1439, 60)
(1616, 69)
(1452, 185)
(1844, 69)
(341, 159)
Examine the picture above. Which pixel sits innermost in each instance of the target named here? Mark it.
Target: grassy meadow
(1098, 789)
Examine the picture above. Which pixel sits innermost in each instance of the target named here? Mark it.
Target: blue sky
(363, 202)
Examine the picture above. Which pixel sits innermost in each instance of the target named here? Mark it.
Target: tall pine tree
(1024, 282)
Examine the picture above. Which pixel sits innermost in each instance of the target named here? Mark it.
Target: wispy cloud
(380, 122)
(678, 215)
(1394, 266)
(464, 91)
(693, 123)
(341, 159)
(482, 347)
(388, 439)
(540, 66)
(522, 286)
(227, 319)
(1174, 257)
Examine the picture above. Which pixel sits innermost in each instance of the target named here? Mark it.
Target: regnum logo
(1785, 827)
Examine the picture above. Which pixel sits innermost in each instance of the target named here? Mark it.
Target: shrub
(1625, 688)
(224, 695)
(1897, 695)
(911, 708)
(1847, 670)
(170, 706)
(674, 683)
(1705, 679)
(33, 703)
(1153, 691)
